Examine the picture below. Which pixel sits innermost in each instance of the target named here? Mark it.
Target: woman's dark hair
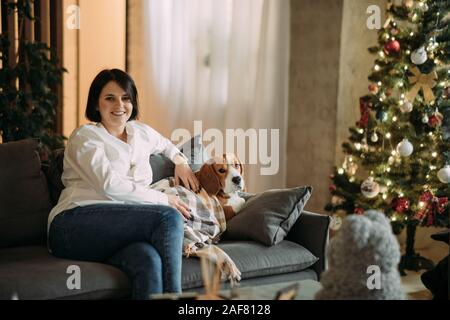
(105, 76)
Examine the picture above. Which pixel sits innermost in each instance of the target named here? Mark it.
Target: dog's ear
(241, 166)
(208, 179)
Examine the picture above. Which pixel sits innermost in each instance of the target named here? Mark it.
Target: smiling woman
(113, 103)
(107, 212)
(112, 91)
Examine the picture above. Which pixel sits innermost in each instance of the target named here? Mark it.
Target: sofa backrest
(53, 171)
(24, 197)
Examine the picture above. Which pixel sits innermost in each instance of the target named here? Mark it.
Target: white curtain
(224, 62)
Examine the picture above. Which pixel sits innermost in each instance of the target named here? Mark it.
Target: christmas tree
(397, 159)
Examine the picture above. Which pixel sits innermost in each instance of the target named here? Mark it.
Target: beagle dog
(223, 177)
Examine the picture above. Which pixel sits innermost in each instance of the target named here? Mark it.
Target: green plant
(28, 82)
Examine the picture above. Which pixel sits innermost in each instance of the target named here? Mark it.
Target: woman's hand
(176, 203)
(184, 174)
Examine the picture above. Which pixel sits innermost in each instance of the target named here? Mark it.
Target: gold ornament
(337, 201)
(389, 18)
(424, 82)
(349, 166)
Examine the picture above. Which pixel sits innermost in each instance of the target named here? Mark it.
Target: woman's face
(114, 105)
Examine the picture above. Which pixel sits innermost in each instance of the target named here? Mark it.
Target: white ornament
(374, 137)
(369, 188)
(425, 119)
(419, 56)
(444, 174)
(405, 148)
(406, 107)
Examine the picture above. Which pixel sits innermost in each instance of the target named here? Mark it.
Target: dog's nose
(236, 180)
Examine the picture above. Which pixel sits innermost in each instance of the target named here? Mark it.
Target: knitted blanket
(203, 229)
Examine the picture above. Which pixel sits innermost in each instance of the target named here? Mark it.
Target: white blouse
(100, 168)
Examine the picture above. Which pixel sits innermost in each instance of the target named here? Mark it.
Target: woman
(107, 212)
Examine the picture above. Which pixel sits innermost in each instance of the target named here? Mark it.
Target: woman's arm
(183, 172)
(85, 154)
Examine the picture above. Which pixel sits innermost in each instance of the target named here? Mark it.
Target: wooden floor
(429, 248)
(420, 295)
(414, 288)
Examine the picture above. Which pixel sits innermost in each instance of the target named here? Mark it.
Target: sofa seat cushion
(32, 273)
(254, 260)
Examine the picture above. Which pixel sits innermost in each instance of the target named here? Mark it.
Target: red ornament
(359, 211)
(373, 88)
(437, 205)
(419, 215)
(436, 119)
(392, 46)
(331, 176)
(365, 113)
(388, 92)
(431, 206)
(441, 204)
(426, 196)
(400, 204)
(332, 187)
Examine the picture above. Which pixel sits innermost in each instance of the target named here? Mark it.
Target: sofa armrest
(311, 231)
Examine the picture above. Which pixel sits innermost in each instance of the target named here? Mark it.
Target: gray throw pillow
(163, 167)
(267, 217)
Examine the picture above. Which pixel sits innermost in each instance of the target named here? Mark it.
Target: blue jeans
(144, 241)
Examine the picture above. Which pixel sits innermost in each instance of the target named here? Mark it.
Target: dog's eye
(222, 170)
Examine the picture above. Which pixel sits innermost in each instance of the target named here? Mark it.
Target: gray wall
(328, 73)
(355, 65)
(313, 91)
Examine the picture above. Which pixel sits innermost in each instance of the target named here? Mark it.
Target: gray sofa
(27, 271)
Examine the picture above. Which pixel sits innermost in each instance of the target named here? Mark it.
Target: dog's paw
(238, 204)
